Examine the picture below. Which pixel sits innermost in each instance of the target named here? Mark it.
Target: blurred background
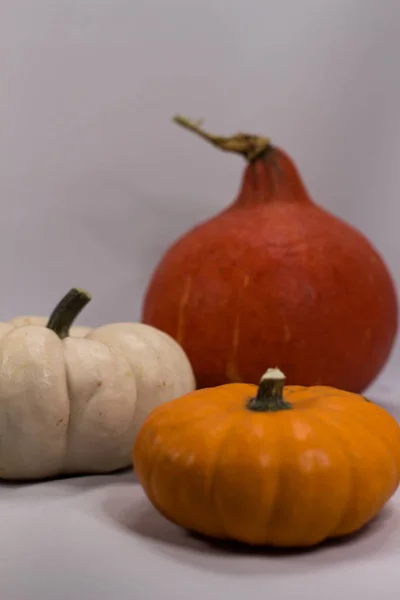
(95, 180)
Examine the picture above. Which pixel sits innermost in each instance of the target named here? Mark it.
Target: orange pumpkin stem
(249, 146)
(270, 393)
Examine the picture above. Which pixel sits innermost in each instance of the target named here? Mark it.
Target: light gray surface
(95, 183)
(98, 538)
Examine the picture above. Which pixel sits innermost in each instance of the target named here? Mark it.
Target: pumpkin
(325, 298)
(22, 321)
(71, 405)
(275, 465)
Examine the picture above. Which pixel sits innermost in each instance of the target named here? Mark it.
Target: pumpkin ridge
(377, 434)
(160, 453)
(337, 427)
(213, 483)
(278, 475)
(152, 466)
(337, 435)
(312, 394)
(319, 400)
(178, 427)
(355, 414)
(294, 441)
(68, 426)
(246, 426)
(177, 424)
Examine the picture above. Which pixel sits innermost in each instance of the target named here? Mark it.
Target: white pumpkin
(75, 331)
(73, 405)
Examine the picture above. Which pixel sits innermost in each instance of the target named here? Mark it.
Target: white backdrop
(95, 180)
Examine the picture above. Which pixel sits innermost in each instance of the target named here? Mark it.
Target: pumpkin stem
(270, 393)
(249, 146)
(67, 310)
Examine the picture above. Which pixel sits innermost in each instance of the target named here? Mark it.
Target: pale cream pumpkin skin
(75, 331)
(74, 405)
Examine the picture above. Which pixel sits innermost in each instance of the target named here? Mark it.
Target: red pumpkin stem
(67, 310)
(249, 146)
(270, 393)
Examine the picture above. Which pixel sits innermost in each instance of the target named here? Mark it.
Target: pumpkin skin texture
(278, 466)
(73, 404)
(324, 297)
(23, 321)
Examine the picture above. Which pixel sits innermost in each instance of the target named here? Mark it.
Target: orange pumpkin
(273, 465)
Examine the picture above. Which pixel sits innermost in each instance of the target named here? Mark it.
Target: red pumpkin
(274, 278)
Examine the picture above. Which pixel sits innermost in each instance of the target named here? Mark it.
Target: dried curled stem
(249, 146)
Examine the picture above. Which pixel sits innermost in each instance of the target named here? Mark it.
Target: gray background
(95, 182)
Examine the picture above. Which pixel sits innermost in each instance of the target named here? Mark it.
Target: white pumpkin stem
(269, 396)
(67, 310)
